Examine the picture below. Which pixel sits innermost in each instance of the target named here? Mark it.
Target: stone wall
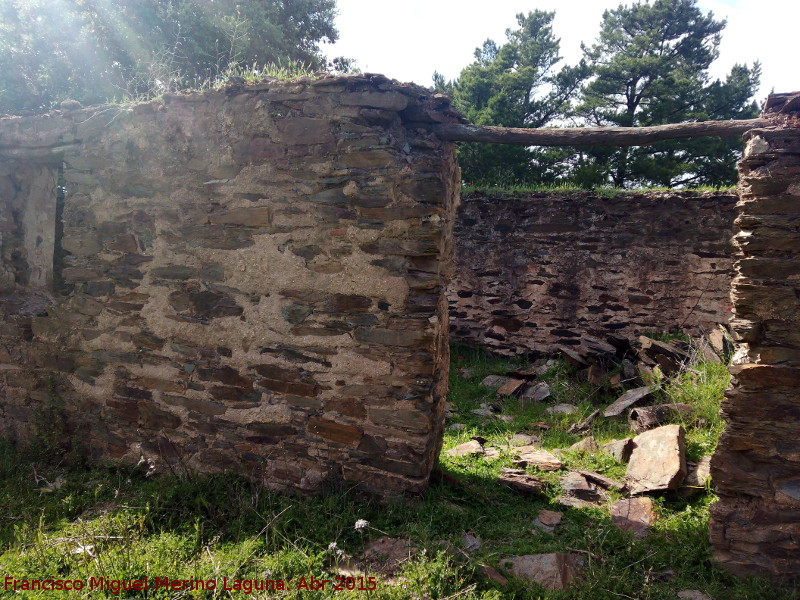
(538, 270)
(755, 526)
(248, 279)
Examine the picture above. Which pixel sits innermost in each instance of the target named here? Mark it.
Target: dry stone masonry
(537, 271)
(249, 279)
(755, 528)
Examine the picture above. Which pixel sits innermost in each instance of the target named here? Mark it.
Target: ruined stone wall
(535, 271)
(755, 525)
(248, 279)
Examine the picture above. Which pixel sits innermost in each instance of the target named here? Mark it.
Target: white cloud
(411, 39)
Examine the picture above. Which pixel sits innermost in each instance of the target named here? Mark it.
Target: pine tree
(515, 84)
(650, 66)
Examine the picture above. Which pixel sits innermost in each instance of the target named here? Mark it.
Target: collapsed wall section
(755, 525)
(248, 280)
(536, 271)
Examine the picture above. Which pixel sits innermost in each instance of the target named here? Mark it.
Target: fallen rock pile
(655, 452)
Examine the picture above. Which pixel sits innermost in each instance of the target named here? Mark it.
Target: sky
(410, 39)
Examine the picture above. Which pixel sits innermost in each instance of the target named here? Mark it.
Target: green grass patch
(114, 522)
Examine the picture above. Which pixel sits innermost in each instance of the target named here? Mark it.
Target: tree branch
(593, 136)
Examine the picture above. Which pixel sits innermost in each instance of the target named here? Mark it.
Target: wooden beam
(593, 136)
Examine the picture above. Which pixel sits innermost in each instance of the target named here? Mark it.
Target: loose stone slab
(548, 520)
(693, 595)
(520, 481)
(490, 572)
(627, 400)
(555, 571)
(470, 448)
(658, 461)
(587, 444)
(495, 382)
(511, 387)
(471, 543)
(619, 449)
(602, 480)
(387, 555)
(535, 393)
(523, 439)
(698, 473)
(634, 514)
(646, 417)
(562, 409)
(577, 486)
(537, 457)
(696, 477)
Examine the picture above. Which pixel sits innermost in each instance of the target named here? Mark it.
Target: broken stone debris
(531, 456)
(658, 460)
(523, 439)
(548, 520)
(634, 514)
(471, 448)
(698, 474)
(511, 387)
(646, 417)
(693, 595)
(520, 481)
(387, 555)
(555, 571)
(562, 409)
(587, 444)
(575, 485)
(619, 449)
(495, 382)
(471, 543)
(535, 393)
(627, 400)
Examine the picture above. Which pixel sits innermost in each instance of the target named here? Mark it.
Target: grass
(113, 521)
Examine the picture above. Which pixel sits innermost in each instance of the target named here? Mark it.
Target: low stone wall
(755, 525)
(249, 280)
(535, 271)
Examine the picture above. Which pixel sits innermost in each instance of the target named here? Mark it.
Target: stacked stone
(537, 271)
(250, 279)
(755, 527)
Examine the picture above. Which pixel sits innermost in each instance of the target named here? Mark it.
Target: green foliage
(100, 50)
(650, 66)
(515, 84)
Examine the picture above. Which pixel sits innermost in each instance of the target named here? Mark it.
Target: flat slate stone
(658, 460)
(577, 486)
(511, 387)
(466, 449)
(619, 449)
(495, 381)
(520, 481)
(634, 514)
(627, 400)
(555, 571)
(535, 393)
(587, 444)
(548, 520)
(537, 457)
(562, 409)
(523, 439)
